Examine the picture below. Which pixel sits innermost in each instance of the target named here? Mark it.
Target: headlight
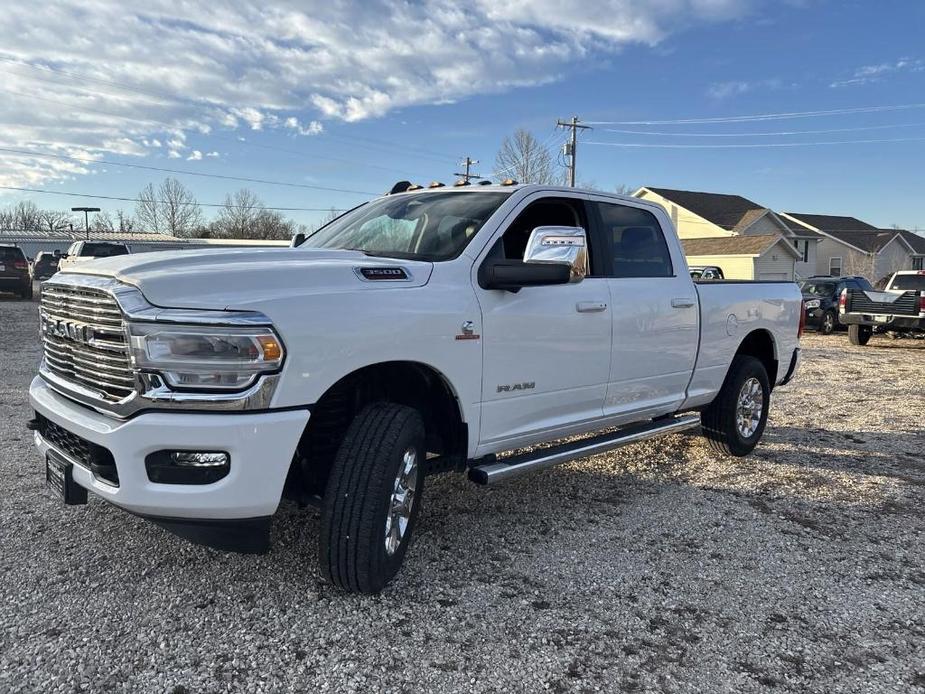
(205, 357)
(813, 303)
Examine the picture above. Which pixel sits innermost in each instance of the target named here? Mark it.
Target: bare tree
(27, 216)
(102, 221)
(170, 208)
(623, 189)
(124, 221)
(52, 220)
(522, 158)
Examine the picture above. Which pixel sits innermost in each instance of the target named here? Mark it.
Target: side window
(635, 241)
(559, 212)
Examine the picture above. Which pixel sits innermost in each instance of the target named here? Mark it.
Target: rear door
(655, 310)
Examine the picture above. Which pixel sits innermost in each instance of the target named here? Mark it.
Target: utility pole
(570, 148)
(468, 162)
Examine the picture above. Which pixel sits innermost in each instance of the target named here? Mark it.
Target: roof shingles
(730, 245)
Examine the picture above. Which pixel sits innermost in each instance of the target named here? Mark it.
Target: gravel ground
(657, 568)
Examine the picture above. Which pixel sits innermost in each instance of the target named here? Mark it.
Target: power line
(640, 145)
(181, 172)
(765, 134)
(198, 204)
(765, 116)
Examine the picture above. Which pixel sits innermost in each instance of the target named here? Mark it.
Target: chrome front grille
(84, 339)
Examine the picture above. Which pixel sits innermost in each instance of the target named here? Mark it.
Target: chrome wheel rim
(829, 323)
(401, 502)
(749, 407)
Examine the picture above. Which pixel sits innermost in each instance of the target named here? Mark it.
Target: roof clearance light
(414, 186)
(436, 184)
(461, 182)
(509, 182)
(484, 183)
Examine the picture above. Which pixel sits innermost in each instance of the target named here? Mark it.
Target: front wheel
(859, 334)
(827, 327)
(734, 422)
(372, 499)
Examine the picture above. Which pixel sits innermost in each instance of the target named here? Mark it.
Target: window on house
(835, 266)
(805, 252)
(918, 264)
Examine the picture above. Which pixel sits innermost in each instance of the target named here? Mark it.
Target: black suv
(820, 297)
(14, 272)
(44, 265)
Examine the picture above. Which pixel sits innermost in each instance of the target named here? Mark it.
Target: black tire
(719, 419)
(27, 294)
(859, 334)
(352, 542)
(829, 323)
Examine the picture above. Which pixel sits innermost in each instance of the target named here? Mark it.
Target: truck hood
(233, 278)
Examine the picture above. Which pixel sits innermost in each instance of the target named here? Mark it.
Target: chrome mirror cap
(560, 246)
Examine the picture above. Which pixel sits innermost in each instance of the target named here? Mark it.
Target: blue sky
(361, 94)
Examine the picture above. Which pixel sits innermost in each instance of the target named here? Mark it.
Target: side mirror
(562, 246)
(297, 240)
(513, 275)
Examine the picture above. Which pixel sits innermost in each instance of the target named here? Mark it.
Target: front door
(546, 350)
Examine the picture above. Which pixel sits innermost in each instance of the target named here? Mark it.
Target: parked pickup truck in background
(421, 332)
(82, 251)
(899, 308)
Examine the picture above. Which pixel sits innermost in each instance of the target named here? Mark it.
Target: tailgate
(883, 303)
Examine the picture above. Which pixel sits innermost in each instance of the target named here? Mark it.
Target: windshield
(818, 288)
(430, 226)
(103, 250)
(907, 282)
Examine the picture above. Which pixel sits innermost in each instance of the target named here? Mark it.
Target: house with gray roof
(701, 215)
(850, 246)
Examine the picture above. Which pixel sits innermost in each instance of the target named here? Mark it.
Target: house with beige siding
(757, 256)
(700, 215)
(850, 246)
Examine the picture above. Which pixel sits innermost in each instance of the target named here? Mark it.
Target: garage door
(771, 276)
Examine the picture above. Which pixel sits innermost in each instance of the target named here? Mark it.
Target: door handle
(590, 306)
(682, 303)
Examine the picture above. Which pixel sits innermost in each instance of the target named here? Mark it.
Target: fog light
(187, 467)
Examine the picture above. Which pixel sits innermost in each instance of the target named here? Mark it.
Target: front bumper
(260, 445)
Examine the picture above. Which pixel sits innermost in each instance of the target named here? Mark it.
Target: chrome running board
(499, 470)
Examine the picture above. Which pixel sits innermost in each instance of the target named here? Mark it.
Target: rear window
(907, 282)
(103, 250)
(11, 254)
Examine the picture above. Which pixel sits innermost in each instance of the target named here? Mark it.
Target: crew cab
(425, 331)
(82, 251)
(898, 309)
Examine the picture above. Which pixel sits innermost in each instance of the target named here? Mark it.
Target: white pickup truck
(424, 331)
(84, 251)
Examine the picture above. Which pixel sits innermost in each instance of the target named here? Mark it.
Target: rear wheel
(734, 422)
(827, 327)
(372, 500)
(859, 334)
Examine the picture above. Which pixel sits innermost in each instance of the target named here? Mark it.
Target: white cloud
(312, 128)
(212, 154)
(195, 155)
(725, 90)
(137, 74)
(875, 73)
